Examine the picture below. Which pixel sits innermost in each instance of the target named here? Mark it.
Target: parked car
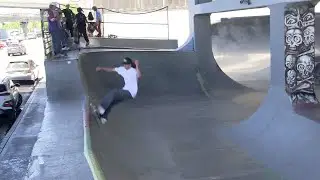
(10, 98)
(31, 35)
(20, 70)
(2, 44)
(16, 48)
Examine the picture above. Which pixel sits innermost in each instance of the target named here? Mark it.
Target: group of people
(71, 25)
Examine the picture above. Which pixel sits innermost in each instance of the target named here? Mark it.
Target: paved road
(35, 52)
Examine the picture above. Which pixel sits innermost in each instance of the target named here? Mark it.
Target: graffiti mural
(300, 52)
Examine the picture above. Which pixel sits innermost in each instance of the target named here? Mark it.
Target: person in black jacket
(69, 15)
(81, 24)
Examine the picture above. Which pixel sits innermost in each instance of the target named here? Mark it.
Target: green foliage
(16, 25)
(73, 8)
(34, 24)
(10, 25)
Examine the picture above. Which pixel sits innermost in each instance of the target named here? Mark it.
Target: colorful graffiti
(300, 52)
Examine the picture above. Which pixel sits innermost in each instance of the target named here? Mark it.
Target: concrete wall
(134, 43)
(178, 25)
(246, 39)
(63, 80)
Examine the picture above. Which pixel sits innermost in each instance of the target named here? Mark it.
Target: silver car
(10, 98)
(16, 48)
(20, 70)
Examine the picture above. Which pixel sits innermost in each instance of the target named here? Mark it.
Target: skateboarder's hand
(98, 69)
(136, 62)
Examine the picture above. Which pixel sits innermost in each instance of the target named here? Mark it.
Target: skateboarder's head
(128, 63)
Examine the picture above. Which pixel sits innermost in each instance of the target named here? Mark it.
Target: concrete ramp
(169, 130)
(191, 124)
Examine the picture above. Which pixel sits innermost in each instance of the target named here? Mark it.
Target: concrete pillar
(24, 27)
(292, 41)
(203, 43)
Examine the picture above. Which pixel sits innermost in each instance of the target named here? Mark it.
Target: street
(35, 52)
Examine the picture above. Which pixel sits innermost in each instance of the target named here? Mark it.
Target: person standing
(81, 24)
(91, 25)
(98, 20)
(55, 29)
(69, 15)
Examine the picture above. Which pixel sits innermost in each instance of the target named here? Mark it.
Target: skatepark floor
(176, 141)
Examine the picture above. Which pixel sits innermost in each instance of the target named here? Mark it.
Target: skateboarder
(131, 73)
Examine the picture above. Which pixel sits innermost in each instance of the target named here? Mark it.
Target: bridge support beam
(292, 41)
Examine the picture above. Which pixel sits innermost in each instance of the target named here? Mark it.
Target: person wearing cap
(131, 73)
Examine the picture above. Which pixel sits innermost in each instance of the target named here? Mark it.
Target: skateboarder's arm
(136, 62)
(108, 69)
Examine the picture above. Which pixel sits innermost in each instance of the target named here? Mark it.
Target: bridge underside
(40, 4)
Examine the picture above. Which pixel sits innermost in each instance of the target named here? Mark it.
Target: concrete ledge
(90, 156)
(134, 43)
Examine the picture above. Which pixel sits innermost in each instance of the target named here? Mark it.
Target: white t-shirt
(130, 79)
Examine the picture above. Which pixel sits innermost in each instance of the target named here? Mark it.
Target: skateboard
(95, 113)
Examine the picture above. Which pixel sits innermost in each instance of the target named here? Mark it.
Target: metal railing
(47, 39)
(105, 10)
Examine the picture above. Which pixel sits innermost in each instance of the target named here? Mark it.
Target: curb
(6, 139)
(88, 153)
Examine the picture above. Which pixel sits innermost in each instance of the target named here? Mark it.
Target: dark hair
(79, 10)
(90, 16)
(132, 62)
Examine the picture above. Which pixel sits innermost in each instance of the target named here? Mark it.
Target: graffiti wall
(300, 52)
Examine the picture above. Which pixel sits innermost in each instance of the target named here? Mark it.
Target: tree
(34, 25)
(10, 25)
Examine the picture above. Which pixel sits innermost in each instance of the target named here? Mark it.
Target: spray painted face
(294, 38)
(290, 60)
(305, 66)
(308, 34)
(291, 78)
